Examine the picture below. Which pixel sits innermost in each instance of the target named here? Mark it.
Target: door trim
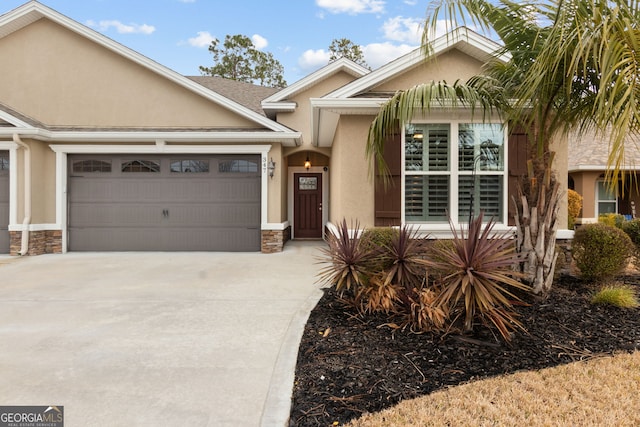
(325, 193)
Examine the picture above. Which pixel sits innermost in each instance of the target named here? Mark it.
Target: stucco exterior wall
(450, 66)
(43, 172)
(352, 193)
(585, 185)
(275, 211)
(59, 78)
(560, 166)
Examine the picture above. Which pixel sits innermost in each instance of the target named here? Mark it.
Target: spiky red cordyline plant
(346, 259)
(404, 253)
(477, 274)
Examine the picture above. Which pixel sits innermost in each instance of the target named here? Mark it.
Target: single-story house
(587, 166)
(103, 149)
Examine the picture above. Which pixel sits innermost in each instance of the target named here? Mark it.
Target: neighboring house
(104, 149)
(587, 158)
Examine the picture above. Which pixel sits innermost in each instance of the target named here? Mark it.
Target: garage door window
(84, 166)
(4, 162)
(238, 166)
(190, 166)
(141, 166)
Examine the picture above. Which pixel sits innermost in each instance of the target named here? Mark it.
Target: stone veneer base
(40, 242)
(273, 240)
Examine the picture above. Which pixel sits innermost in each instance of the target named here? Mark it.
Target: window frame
(602, 182)
(454, 174)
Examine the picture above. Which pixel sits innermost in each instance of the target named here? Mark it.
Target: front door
(307, 206)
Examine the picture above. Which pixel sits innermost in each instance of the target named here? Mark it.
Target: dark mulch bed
(348, 365)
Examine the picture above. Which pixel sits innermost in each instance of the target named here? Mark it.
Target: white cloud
(187, 1)
(311, 60)
(377, 54)
(203, 39)
(352, 7)
(401, 29)
(122, 28)
(259, 42)
(411, 2)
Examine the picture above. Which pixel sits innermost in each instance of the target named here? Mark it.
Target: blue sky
(176, 33)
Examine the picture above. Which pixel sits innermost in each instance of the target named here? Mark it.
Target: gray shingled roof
(246, 94)
(591, 151)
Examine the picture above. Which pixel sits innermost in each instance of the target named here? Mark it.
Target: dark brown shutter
(518, 155)
(388, 200)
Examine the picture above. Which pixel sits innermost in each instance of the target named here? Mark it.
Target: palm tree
(573, 65)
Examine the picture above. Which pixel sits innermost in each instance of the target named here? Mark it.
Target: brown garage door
(4, 202)
(164, 203)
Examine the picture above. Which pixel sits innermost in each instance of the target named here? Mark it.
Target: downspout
(24, 247)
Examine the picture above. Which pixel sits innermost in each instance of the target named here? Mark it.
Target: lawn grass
(603, 391)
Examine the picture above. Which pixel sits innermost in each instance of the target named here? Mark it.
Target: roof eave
(287, 139)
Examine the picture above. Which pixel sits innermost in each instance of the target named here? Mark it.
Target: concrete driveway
(156, 339)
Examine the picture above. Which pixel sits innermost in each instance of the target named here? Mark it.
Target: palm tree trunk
(536, 227)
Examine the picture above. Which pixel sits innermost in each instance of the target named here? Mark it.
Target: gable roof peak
(333, 67)
(461, 38)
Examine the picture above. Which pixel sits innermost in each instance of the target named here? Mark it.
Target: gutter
(24, 247)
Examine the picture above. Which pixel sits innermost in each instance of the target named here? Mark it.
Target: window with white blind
(454, 168)
(607, 200)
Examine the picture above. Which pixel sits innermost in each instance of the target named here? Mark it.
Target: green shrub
(632, 228)
(377, 241)
(612, 220)
(617, 295)
(601, 251)
(574, 201)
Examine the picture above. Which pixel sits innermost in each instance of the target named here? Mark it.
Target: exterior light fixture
(271, 167)
(307, 163)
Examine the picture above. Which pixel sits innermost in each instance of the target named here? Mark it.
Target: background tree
(572, 65)
(345, 48)
(239, 59)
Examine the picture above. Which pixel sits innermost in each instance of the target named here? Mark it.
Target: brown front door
(307, 206)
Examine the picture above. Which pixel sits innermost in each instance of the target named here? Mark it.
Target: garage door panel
(167, 210)
(238, 215)
(112, 215)
(106, 239)
(214, 239)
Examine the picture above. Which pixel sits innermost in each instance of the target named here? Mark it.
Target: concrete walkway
(156, 339)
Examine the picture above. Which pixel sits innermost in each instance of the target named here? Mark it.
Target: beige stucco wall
(60, 78)
(43, 179)
(450, 66)
(276, 208)
(560, 166)
(585, 185)
(352, 193)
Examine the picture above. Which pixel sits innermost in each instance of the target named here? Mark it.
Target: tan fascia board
(341, 64)
(479, 47)
(32, 11)
(288, 139)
